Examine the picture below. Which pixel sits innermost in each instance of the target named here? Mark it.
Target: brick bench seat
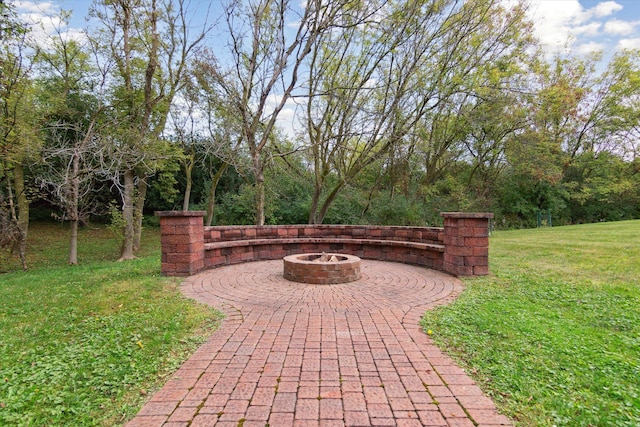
(301, 240)
(227, 252)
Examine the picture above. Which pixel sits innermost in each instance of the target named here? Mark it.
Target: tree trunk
(73, 243)
(211, 203)
(258, 170)
(315, 201)
(21, 198)
(23, 212)
(187, 192)
(74, 195)
(127, 216)
(138, 212)
(328, 202)
(16, 236)
(260, 201)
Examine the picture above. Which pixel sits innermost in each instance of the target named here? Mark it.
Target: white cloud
(286, 116)
(567, 24)
(621, 28)
(589, 47)
(591, 29)
(633, 43)
(554, 21)
(45, 21)
(36, 7)
(606, 8)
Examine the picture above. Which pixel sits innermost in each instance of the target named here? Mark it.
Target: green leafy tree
(68, 172)
(148, 44)
(578, 114)
(214, 142)
(398, 86)
(266, 53)
(19, 126)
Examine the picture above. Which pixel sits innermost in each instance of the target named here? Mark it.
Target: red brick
(452, 410)
(454, 259)
(330, 391)
(331, 409)
(183, 414)
(476, 402)
(158, 408)
(281, 419)
(481, 261)
(307, 409)
(465, 390)
(309, 392)
(263, 396)
(384, 422)
(284, 402)
(408, 422)
(420, 397)
(484, 416)
(170, 395)
(354, 402)
(258, 413)
(451, 379)
(374, 395)
(460, 422)
(236, 406)
(395, 389)
(379, 410)
(354, 419)
(477, 241)
(147, 421)
(432, 418)
(204, 420)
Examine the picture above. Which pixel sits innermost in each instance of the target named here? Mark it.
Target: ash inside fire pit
(322, 269)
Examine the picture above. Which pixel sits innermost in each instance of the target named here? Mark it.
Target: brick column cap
(179, 213)
(474, 215)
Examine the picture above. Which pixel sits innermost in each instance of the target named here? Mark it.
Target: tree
(398, 85)
(209, 136)
(576, 114)
(149, 44)
(266, 58)
(70, 88)
(19, 126)
(579, 109)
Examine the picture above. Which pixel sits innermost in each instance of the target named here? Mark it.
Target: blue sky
(583, 25)
(587, 25)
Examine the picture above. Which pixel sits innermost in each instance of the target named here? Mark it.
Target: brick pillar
(182, 241)
(466, 243)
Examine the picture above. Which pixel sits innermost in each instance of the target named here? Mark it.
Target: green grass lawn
(86, 345)
(553, 334)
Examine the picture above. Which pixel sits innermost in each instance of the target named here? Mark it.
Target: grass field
(86, 345)
(553, 334)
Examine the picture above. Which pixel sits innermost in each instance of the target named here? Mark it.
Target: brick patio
(293, 354)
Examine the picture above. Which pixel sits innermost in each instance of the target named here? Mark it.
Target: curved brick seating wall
(459, 248)
(233, 244)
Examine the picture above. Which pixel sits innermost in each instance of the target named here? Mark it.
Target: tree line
(401, 109)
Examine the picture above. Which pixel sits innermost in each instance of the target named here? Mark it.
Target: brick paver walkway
(290, 354)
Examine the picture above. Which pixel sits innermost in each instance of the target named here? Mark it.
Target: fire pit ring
(322, 268)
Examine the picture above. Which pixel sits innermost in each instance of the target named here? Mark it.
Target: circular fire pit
(322, 269)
